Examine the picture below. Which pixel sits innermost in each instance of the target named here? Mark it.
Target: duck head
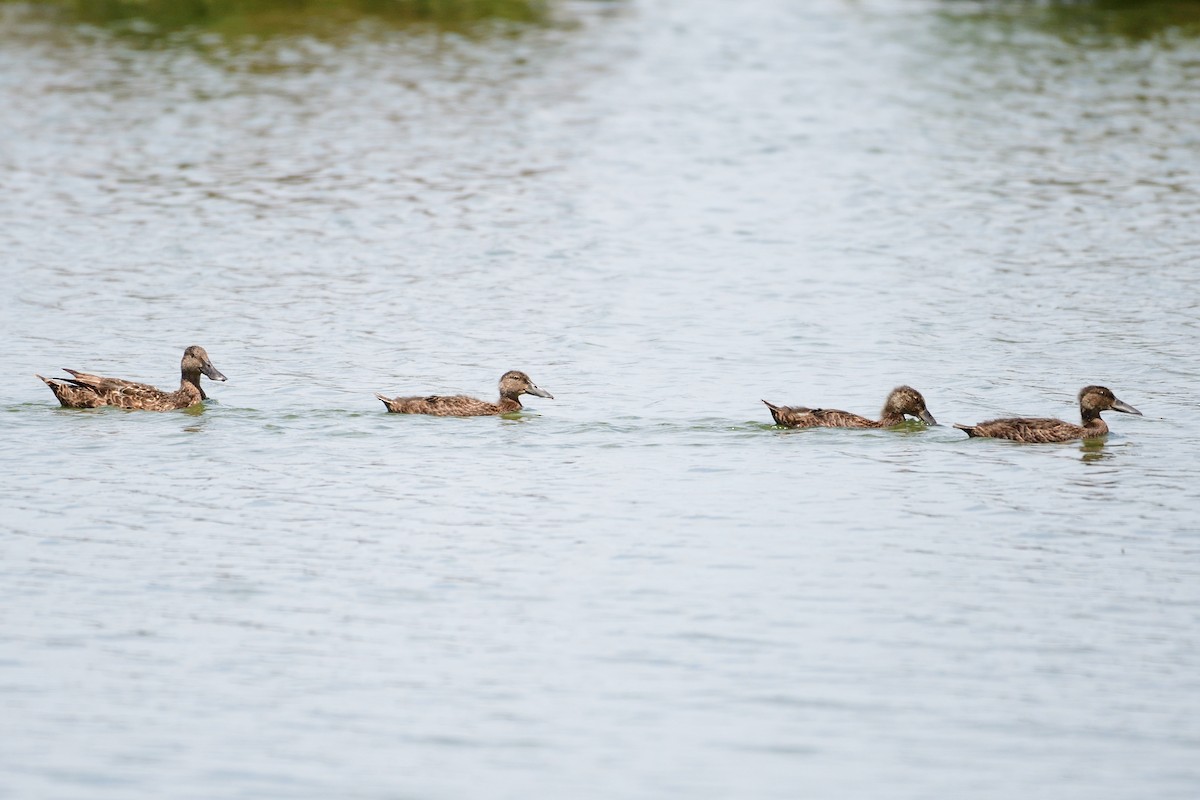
(515, 383)
(907, 401)
(1094, 399)
(196, 361)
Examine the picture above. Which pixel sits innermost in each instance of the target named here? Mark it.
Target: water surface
(663, 212)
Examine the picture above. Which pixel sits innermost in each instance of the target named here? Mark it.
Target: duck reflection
(1093, 450)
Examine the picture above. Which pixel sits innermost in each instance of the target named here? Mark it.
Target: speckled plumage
(1043, 430)
(513, 384)
(903, 401)
(92, 391)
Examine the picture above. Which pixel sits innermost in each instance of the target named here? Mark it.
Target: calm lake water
(663, 212)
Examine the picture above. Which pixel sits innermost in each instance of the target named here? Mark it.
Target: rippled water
(663, 212)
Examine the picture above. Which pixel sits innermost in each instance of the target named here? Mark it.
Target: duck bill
(927, 418)
(1125, 408)
(538, 392)
(211, 371)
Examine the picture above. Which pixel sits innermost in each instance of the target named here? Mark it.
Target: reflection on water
(1088, 20)
(196, 413)
(152, 20)
(1093, 451)
(666, 212)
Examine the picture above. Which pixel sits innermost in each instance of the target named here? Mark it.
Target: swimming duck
(1092, 400)
(513, 384)
(903, 401)
(93, 391)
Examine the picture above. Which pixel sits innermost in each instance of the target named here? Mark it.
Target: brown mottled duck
(92, 391)
(903, 401)
(513, 384)
(1092, 400)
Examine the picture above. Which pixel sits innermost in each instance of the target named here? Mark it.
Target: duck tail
(968, 429)
(387, 401)
(775, 411)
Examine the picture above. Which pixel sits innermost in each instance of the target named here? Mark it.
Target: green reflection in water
(268, 18)
(1092, 450)
(1089, 20)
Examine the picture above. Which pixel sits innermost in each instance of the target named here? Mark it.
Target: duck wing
(126, 394)
(439, 405)
(102, 385)
(833, 418)
(1027, 429)
(458, 405)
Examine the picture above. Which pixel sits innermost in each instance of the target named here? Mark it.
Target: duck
(513, 384)
(1092, 400)
(903, 401)
(83, 390)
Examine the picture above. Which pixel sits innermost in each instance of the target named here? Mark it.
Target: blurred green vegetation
(1083, 20)
(266, 18)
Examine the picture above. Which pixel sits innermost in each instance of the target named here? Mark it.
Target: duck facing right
(513, 384)
(1092, 400)
(904, 401)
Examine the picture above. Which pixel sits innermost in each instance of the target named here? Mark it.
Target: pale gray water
(663, 212)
